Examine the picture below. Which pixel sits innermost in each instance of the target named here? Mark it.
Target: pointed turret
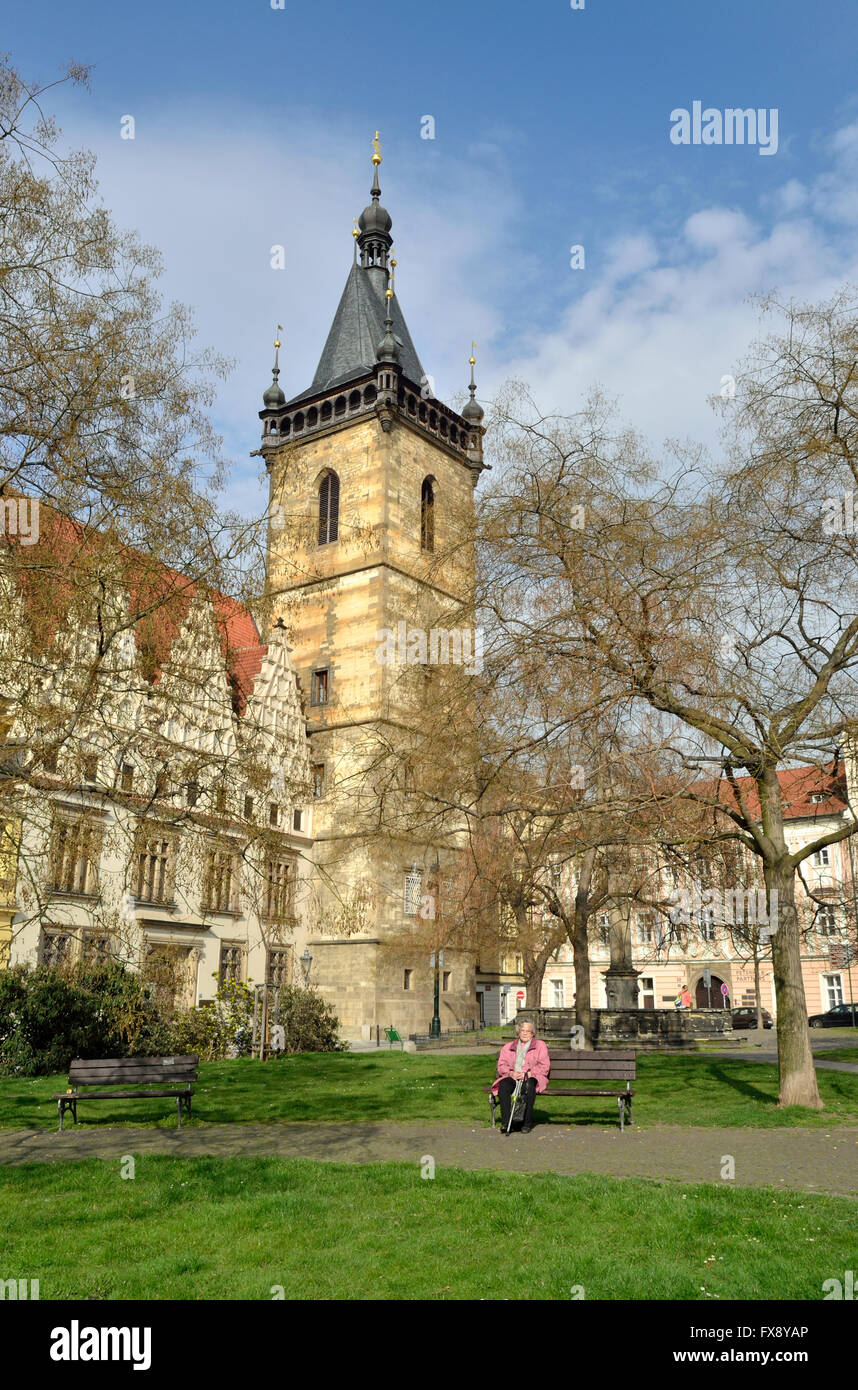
(474, 415)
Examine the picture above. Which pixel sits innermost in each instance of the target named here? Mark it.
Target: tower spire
(274, 397)
(375, 221)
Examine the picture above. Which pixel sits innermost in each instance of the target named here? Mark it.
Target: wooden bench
(175, 1074)
(571, 1064)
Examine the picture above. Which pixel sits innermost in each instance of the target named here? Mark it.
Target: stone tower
(372, 498)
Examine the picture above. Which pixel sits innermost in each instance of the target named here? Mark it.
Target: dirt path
(798, 1159)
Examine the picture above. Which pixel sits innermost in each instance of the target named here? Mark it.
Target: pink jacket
(536, 1062)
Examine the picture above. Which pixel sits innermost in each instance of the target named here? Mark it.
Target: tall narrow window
(329, 508)
(427, 515)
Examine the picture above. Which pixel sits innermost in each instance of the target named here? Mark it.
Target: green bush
(49, 1016)
(223, 1028)
(309, 1024)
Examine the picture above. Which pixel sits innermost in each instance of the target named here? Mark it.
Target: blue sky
(253, 128)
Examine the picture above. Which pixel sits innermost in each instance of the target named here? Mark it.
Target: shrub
(223, 1028)
(309, 1023)
(49, 1016)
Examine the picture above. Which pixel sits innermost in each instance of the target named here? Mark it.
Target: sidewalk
(798, 1159)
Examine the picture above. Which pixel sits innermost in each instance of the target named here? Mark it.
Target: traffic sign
(520, 995)
(707, 977)
(725, 991)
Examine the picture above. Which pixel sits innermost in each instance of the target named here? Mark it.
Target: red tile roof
(159, 598)
(798, 786)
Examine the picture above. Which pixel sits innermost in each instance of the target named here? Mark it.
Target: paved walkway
(800, 1159)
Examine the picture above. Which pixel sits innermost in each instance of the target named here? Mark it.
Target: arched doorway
(719, 1000)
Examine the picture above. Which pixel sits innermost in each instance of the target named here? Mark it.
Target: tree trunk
(795, 1058)
(581, 948)
(533, 983)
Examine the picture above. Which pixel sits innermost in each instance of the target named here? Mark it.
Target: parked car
(841, 1016)
(746, 1017)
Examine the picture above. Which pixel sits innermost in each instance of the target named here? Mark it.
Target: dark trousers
(505, 1094)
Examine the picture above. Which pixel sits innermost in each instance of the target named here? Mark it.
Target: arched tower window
(329, 508)
(427, 515)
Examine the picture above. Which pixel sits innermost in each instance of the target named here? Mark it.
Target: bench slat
(624, 1054)
(134, 1077)
(118, 1095)
(546, 1095)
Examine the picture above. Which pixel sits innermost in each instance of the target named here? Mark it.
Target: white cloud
(656, 319)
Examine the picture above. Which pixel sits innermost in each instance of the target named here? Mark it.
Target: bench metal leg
(63, 1105)
(621, 1102)
(179, 1104)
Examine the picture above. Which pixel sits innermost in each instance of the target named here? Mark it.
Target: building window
(75, 857)
(445, 981)
(834, 989)
(603, 929)
(273, 814)
(155, 863)
(278, 888)
(557, 994)
(230, 963)
(298, 820)
(319, 688)
(708, 929)
(192, 792)
(408, 979)
(644, 931)
(318, 781)
(329, 508)
(427, 516)
(248, 808)
(49, 762)
(168, 969)
(162, 784)
(413, 886)
(826, 920)
(220, 799)
(90, 768)
(220, 888)
(821, 857)
(278, 969)
(126, 778)
(55, 947)
(94, 948)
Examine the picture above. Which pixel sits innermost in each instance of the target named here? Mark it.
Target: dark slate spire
(473, 411)
(388, 348)
(360, 323)
(274, 397)
(375, 222)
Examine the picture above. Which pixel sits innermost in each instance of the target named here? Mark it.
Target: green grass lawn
(318, 1087)
(212, 1228)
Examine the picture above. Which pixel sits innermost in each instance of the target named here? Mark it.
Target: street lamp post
(306, 962)
(436, 960)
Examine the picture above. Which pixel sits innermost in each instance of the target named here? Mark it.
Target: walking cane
(513, 1102)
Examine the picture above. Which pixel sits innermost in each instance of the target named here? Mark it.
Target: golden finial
(376, 150)
(472, 359)
(390, 289)
(356, 231)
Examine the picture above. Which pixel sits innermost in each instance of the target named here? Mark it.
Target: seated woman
(525, 1058)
